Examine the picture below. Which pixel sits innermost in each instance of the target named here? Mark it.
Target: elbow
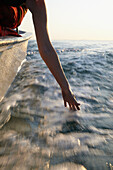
(46, 50)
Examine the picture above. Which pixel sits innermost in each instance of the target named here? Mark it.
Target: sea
(38, 133)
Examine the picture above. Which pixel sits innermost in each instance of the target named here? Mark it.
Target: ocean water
(39, 133)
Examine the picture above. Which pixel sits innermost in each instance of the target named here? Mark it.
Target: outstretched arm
(47, 52)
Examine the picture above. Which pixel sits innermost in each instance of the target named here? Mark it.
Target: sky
(76, 20)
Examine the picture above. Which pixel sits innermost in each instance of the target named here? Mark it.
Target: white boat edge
(12, 54)
(6, 40)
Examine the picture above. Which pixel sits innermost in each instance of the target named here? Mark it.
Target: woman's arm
(47, 51)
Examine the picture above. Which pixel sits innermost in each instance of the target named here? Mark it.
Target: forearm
(48, 54)
(51, 59)
(46, 49)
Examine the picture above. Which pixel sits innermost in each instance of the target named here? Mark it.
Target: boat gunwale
(8, 40)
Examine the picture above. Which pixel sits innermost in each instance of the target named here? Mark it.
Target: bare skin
(47, 52)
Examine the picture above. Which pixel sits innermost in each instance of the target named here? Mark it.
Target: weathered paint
(12, 53)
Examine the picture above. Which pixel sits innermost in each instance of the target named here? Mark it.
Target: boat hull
(12, 53)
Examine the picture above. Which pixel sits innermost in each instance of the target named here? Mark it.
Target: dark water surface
(41, 133)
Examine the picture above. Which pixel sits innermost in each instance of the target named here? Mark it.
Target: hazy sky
(77, 19)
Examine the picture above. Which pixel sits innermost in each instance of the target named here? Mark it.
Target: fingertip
(70, 106)
(74, 108)
(65, 104)
(78, 108)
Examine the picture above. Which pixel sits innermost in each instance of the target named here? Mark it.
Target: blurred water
(39, 133)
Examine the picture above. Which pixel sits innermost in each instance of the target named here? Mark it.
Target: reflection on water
(37, 132)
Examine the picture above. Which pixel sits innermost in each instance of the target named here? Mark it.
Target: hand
(70, 99)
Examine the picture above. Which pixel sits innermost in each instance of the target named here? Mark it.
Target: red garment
(11, 17)
(8, 31)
